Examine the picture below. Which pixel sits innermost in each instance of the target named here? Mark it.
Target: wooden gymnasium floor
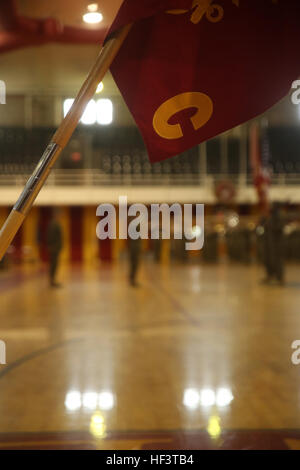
(197, 357)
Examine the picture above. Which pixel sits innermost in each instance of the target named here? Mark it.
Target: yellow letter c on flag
(200, 101)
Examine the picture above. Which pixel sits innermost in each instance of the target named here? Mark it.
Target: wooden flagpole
(60, 139)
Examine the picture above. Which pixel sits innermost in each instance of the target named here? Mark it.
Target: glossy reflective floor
(197, 357)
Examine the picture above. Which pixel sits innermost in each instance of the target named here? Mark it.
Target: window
(100, 111)
(90, 113)
(67, 105)
(104, 112)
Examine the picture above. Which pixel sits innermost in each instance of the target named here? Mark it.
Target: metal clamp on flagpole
(37, 179)
(60, 139)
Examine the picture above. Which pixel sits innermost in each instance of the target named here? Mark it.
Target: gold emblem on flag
(212, 11)
(201, 8)
(203, 112)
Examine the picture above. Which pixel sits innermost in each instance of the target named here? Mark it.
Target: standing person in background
(274, 246)
(55, 244)
(134, 251)
(135, 248)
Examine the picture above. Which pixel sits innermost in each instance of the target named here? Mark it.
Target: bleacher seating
(121, 152)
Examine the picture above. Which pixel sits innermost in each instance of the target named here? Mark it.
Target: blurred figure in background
(134, 248)
(3, 263)
(274, 246)
(55, 244)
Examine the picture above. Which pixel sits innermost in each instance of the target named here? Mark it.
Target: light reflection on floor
(196, 348)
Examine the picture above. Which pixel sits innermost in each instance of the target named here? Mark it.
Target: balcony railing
(94, 178)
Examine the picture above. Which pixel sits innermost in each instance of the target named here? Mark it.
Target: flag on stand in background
(192, 69)
(260, 163)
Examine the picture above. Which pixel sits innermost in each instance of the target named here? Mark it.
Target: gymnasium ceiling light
(93, 16)
(100, 88)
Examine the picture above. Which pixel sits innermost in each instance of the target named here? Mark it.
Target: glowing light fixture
(100, 87)
(100, 111)
(104, 111)
(67, 105)
(93, 16)
(89, 115)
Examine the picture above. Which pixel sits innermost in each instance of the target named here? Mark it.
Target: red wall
(76, 234)
(44, 219)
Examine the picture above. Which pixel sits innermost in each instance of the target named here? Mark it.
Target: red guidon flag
(191, 69)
